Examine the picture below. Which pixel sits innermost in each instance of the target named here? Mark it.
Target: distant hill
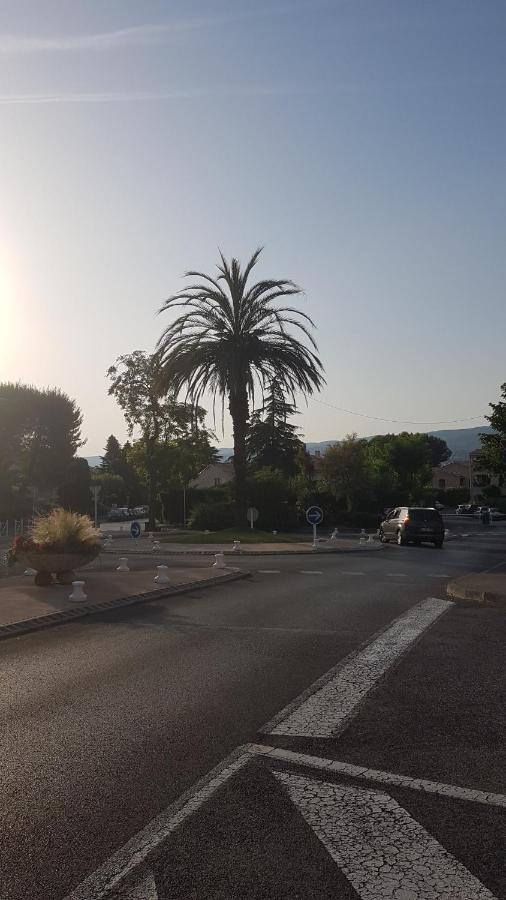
(94, 461)
(460, 441)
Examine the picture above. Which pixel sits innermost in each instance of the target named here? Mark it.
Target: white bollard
(274, 532)
(123, 564)
(30, 572)
(363, 537)
(161, 576)
(156, 545)
(335, 534)
(77, 591)
(220, 561)
(236, 547)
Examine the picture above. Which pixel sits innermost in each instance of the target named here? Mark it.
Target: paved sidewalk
(486, 589)
(25, 607)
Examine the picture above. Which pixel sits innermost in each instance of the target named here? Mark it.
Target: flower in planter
(60, 531)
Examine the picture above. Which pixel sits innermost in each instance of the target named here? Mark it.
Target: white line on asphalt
(134, 854)
(326, 708)
(387, 778)
(269, 571)
(144, 890)
(396, 575)
(310, 572)
(381, 849)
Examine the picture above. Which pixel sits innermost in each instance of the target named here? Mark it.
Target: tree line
(236, 342)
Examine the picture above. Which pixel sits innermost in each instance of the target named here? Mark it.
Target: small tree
(493, 452)
(272, 440)
(345, 469)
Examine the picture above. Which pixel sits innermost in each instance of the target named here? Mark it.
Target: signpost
(95, 491)
(252, 515)
(135, 529)
(314, 516)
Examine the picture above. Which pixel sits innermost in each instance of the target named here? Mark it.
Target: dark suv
(412, 525)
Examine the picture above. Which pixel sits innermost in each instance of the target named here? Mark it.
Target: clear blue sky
(361, 142)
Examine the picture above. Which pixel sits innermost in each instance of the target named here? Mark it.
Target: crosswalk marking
(144, 890)
(381, 849)
(329, 708)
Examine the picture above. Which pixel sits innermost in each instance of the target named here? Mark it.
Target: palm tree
(231, 338)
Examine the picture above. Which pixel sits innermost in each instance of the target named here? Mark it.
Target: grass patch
(246, 536)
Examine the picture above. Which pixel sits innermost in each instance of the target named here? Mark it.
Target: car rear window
(425, 514)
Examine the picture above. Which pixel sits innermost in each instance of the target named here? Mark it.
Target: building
(451, 475)
(481, 479)
(214, 475)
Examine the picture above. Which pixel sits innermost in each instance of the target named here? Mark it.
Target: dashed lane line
(328, 705)
(381, 849)
(310, 572)
(269, 571)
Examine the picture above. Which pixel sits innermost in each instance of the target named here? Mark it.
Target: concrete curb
(474, 596)
(68, 615)
(310, 552)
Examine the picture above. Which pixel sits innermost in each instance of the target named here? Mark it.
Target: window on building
(462, 481)
(442, 483)
(217, 482)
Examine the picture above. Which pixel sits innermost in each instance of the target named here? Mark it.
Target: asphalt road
(107, 721)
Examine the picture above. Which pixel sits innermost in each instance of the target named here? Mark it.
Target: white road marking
(387, 778)
(132, 855)
(144, 890)
(329, 708)
(309, 572)
(123, 865)
(269, 571)
(381, 849)
(396, 575)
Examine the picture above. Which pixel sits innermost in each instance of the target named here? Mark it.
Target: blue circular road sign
(314, 515)
(135, 529)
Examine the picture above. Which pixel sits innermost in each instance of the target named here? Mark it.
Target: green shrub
(212, 515)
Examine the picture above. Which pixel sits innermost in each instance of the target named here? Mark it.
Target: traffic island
(25, 607)
(479, 590)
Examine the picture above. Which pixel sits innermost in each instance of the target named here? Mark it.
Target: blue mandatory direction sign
(135, 529)
(314, 515)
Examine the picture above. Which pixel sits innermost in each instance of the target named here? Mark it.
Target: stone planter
(60, 564)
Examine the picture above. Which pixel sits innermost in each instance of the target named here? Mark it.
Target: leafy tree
(272, 440)
(75, 493)
(345, 469)
(493, 453)
(40, 431)
(137, 386)
(408, 458)
(116, 465)
(113, 491)
(231, 336)
(439, 449)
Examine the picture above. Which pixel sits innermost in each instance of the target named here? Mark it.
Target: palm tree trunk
(239, 411)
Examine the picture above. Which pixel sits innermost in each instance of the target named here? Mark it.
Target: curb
(237, 553)
(475, 597)
(68, 615)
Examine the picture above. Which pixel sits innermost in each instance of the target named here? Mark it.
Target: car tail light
(406, 521)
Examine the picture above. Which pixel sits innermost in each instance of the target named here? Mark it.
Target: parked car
(119, 514)
(413, 525)
(496, 513)
(465, 509)
(141, 512)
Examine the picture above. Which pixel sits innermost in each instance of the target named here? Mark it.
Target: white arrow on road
(380, 848)
(144, 890)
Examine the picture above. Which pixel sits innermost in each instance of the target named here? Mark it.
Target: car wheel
(381, 535)
(400, 539)
(438, 545)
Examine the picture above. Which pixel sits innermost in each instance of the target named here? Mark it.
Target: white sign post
(95, 491)
(314, 516)
(252, 515)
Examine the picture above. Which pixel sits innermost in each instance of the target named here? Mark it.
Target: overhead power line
(352, 412)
